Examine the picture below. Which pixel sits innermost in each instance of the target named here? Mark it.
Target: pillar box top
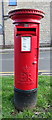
(26, 15)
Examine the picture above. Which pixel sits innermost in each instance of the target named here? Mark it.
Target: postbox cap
(30, 15)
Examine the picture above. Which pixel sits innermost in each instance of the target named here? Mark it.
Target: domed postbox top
(26, 15)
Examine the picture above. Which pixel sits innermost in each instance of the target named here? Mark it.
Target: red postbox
(26, 51)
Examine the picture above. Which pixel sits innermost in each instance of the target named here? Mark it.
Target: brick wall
(51, 22)
(45, 22)
(1, 36)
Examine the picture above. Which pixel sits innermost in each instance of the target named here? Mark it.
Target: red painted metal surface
(27, 24)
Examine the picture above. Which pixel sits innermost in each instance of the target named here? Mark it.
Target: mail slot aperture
(26, 31)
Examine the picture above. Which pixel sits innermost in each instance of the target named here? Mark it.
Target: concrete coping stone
(41, 49)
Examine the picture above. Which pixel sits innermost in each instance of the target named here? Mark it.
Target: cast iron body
(26, 51)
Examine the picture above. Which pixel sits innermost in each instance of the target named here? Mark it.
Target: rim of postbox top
(27, 13)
